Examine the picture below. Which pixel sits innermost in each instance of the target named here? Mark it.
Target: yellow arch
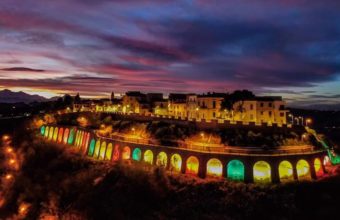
(214, 168)
(262, 172)
(108, 153)
(148, 157)
(102, 151)
(176, 163)
(303, 170)
(162, 159)
(97, 149)
(286, 171)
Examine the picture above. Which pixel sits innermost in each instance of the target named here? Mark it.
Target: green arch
(42, 130)
(137, 154)
(71, 136)
(235, 170)
(91, 149)
(47, 129)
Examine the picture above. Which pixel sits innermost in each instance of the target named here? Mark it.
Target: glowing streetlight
(5, 137)
(8, 176)
(308, 121)
(133, 130)
(11, 162)
(9, 150)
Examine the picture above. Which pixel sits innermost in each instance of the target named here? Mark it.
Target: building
(193, 107)
(268, 109)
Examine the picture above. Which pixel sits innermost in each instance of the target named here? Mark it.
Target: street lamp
(308, 121)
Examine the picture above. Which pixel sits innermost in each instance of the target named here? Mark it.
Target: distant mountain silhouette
(8, 96)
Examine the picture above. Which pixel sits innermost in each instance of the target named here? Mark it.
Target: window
(214, 104)
(270, 104)
(261, 113)
(282, 114)
(261, 104)
(251, 107)
(270, 113)
(214, 114)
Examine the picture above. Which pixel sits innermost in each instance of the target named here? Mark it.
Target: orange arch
(192, 165)
(126, 154)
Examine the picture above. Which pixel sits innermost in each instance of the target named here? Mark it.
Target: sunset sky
(288, 47)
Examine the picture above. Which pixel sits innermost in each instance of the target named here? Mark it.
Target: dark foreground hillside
(57, 183)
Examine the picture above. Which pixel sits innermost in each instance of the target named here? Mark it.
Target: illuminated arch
(126, 154)
(214, 168)
(47, 131)
(262, 172)
(162, 159)
(55, 134)
(97, 149)
(286, 171)
(71, 136)
(108, 153)
(176, 163)
(148, 157)
(50, 136)
(83, 141)
(60, 135)
(42, 130)
(116, 153)
(303, 170)
(235, 170)
(92, 146)
(327, 163)
(318, 167)
(66, 133)
(102, 151)
(81, 138)
(77, 138)
(137, 154)
(86, 142)
(192, 165)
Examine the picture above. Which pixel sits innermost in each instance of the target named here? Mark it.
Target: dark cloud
(22, 69)
(173, 45)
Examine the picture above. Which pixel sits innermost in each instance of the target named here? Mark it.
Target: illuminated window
(97, 149)
(318, 167)
(192, 166)
(60, 135)
(126, 153)
(176, 163)
(262, 172)
(162, 159)
(116, 153)
(66, 133)
(55, 134)
(102, 151)
(108, 154)
(214, 167)
(71, 136)
(235, 170)
(286, 171)
(148, 157)
(50, 136)
(46, 131)
(137, 154)
(303, 171)
(42, 130)
(92, 146)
